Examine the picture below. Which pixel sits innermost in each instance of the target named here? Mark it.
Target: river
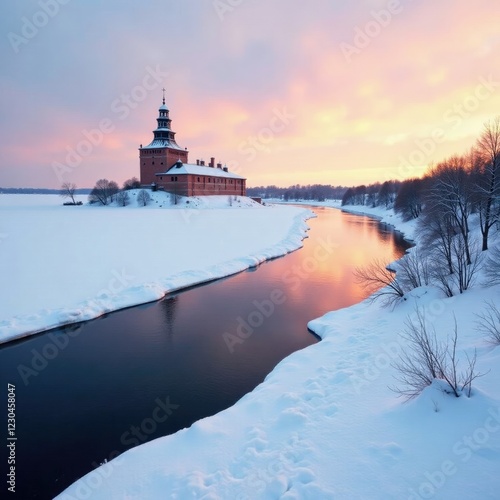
(88, 392)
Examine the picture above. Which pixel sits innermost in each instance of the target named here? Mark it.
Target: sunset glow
(345, 93)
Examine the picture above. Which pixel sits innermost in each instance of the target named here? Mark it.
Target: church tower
(163, 151)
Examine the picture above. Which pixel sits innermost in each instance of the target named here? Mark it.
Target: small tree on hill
(143, 198)
(132, 183)
(122, 198)
(103, 192)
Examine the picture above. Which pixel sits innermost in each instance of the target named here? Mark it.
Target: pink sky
(280, 92)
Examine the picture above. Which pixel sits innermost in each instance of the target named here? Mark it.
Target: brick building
(164, 165)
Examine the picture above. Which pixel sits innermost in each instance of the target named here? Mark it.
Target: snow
(189, 168)
(65, 264)
(324, 424)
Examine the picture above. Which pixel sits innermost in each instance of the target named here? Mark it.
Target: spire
(163, 89)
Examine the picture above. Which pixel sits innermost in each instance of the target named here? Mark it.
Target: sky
(281, 91)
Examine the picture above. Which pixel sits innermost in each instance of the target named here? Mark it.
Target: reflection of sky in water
(114, 368)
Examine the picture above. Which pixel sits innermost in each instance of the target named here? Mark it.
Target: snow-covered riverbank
(63, 265)
(325, 424)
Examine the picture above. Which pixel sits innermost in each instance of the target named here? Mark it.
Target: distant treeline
(39, 191)
(448, 195)
(316, 192)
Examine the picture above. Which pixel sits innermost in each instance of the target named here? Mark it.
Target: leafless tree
(68, 190)
(103, 192)
(492, 267)
(380, 282)
(122, 198)
(427, 359)
(387, 194)
(409, 199)
(487, 181)
(451, 195)
(467, 263)
(143, 198)
(488, 323)
(132, 183)
(413, 270)
(436, 231)
(464, 274)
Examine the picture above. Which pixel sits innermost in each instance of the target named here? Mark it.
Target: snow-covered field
(325, 425)
(64, 264)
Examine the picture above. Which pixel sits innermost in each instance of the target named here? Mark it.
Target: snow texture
(66, 264)
(325, 425)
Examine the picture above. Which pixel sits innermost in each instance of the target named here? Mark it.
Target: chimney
(225, 168)
(219, 165)
(197, 162)
(212, 162)
(202, 163)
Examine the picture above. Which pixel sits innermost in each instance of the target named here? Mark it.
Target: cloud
(353, 119)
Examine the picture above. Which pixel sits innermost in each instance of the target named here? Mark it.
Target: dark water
(89, 392)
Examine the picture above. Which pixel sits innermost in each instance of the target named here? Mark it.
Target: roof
(188, 168)
(163, 143)
(163, 107)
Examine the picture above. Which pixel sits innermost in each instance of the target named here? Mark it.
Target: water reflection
(112, 370)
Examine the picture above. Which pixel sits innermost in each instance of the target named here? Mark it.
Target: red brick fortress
(164, 165)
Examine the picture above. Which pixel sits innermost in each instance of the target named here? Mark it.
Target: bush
(427, 359)
(489, 323)
(380, 282)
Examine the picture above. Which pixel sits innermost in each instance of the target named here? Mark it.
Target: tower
(163, 151)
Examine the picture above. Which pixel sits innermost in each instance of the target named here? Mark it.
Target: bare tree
(380, 282)
(387, 194)
(451, 195)
(489, 323)
(132, 183)
(467, 263)
(436, 232)
(487, 183)
(143, 198)
(413, 270)
(492, 267)
(122, 198)
(68, 190)
(103, 192)
(409, 199)
(427, 359)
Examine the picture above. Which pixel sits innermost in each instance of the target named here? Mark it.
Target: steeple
(164, 136)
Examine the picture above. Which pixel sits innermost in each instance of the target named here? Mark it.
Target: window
(198, 179)
(161, 178)
(171, 179)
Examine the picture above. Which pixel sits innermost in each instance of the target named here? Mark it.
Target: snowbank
(325, 425)
(66, 264)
